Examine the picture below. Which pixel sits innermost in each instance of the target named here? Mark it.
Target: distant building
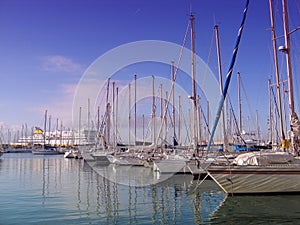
(57, 138)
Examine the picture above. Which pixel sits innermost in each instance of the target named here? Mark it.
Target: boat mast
(107, 122)
(166, 118)
(49, 128)
(179, 121)
(270, 112)
(116, 119)
(228, 78)
(173, 101)
(240, 103)
(221, 84)
(79, 125)
(288, 57)
(98, 119)
(61, 127)
(286, 50)
(143, 124)
(45, 127)
(199, 119)
(56, 129)
(89, 118)
(194, 94)
(113, 112)
(135, 109)
(153, 109)
(129, 114)
(161, 103)
(207, 119)
(257, 128)
(277, 72)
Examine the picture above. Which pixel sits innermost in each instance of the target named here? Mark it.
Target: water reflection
(175, 199)
(51, 189)
(273, 209)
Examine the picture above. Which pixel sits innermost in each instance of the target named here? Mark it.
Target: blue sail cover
(228, 78)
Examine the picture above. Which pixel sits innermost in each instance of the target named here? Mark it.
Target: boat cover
(295, 125)
(263, 158)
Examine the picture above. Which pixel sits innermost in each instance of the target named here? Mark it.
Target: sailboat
(264, 172)
(99, 151)
(175, 161)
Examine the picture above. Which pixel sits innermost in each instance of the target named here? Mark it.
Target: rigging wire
(276, 113)
(248, 103)
(208, 58)
(239, 133)
(175, 76)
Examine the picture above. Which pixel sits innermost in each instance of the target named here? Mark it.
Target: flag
(38, 130)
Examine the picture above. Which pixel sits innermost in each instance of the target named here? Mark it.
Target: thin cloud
(58, 107)
(58, 63)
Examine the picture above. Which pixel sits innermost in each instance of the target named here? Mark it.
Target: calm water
(54, 190)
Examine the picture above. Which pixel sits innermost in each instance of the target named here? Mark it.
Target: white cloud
(58, 63)
(58, 107)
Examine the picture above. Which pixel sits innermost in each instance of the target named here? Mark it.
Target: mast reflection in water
(51, 189)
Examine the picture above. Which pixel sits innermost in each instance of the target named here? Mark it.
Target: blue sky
(47, 45)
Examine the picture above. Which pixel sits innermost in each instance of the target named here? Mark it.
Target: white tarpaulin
(262, 158)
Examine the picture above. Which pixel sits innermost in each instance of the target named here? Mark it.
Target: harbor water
(54, 190)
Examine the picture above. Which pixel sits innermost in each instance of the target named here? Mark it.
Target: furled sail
(228, 78)
(295, 125)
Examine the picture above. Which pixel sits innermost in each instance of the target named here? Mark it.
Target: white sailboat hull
(257, 179)
(171, 166)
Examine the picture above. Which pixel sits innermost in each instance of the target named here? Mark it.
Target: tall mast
(173, 101)
(194, 94)
(135, 109)
(117, 112)
(89, 118)
(106, 130)
(98, 119)
(113, 112)
(45, 127)
(162, 108)
(166, 118)
(61, 127)
(270, 112)
(208, 119)
(79, 126)
(240, 103)
(288, 57)
(143, 124)
(49, 129)
(179, 121)
(161, 102)
(276, 70)
(200, 119)
(129, 114)
(221, 83)
(228, 78)
(56, 129)
(153, 109)
(287, 50)
(108, 121)
(257, 127)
